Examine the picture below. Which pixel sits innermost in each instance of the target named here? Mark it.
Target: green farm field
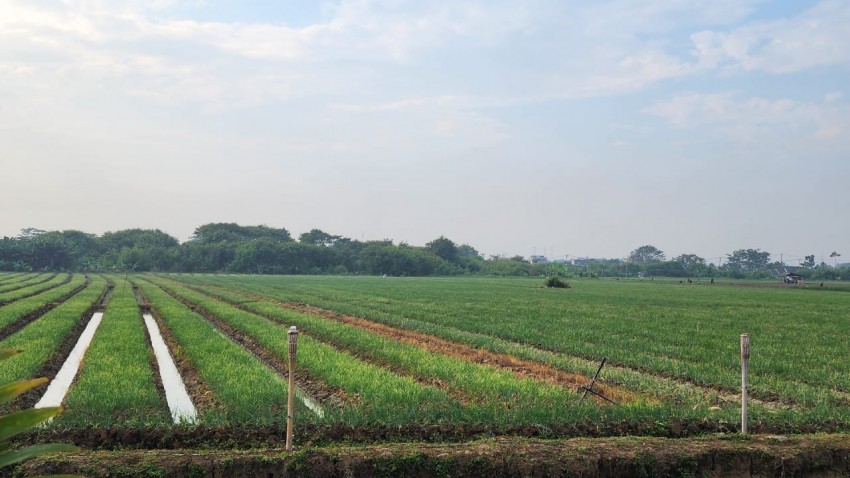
(674, 346)
(432, 359)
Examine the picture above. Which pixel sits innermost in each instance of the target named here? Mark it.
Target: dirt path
(523, 367)
(730, 456)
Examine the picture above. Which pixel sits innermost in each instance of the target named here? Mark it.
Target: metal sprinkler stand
(589, 388)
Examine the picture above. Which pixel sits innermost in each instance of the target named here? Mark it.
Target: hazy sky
(566, 127)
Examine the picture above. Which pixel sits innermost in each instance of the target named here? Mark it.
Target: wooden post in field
(290, 406)
(745, 363)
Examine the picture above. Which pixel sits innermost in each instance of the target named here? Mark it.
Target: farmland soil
(519, 367)
(523, 367)
(727, 456)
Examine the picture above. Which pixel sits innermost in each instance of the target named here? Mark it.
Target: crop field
(425, 359)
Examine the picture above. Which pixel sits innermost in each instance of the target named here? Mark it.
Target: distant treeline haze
(227, 247)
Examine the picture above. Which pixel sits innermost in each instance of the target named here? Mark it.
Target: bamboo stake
(290, 406)
(745, 363)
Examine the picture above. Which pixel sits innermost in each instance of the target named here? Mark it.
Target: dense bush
(556, 282)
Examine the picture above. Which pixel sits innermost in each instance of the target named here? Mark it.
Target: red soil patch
(521, 368)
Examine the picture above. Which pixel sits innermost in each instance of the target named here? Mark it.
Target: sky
(565, 128)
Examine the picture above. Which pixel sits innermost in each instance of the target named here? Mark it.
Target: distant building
(792, 278)
(539, 260)
(788, 274)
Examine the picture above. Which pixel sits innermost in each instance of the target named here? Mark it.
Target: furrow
(314, 388)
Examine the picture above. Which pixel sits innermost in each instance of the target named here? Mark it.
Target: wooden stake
(290, 406)
(745, 363)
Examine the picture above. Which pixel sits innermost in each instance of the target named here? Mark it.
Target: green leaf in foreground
(6, 353)
(16, 456)
(19, 422)
(12, 390)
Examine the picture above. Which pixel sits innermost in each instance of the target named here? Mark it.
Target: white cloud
(817, 37)
(754, 119)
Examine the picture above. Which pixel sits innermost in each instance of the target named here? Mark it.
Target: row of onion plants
(10, 313)
(384, 396)
(116, 384)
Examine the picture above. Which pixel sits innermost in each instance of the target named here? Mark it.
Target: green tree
(443, 248)
(317, 237)
(646, 254)
(747, 260)
(230, 232)
(834, 256)
(808, 262)
(692, 264)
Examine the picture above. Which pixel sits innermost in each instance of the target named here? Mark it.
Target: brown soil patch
(315, 388)
(812, 456)
(526, 368)
(521, 368)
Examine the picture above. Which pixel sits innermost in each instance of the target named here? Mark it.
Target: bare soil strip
(819, 455)
(59, 356)
(521, 368)
(32, 316)
(176, 396)
(59, 385)
(315, 389)
(152, 359)
(200, 393)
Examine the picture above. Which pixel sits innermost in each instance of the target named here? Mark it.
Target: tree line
(228, 247)
(741, 264)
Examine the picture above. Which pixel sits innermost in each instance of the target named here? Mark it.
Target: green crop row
(40, 339)
(455, 309)
(686, 332)
(33, 289)
(385, 398)
(5, 276)
(246, 390)
(9, 313)
(496, 395)
(116, 383)
(35, 279)
(647, 385)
